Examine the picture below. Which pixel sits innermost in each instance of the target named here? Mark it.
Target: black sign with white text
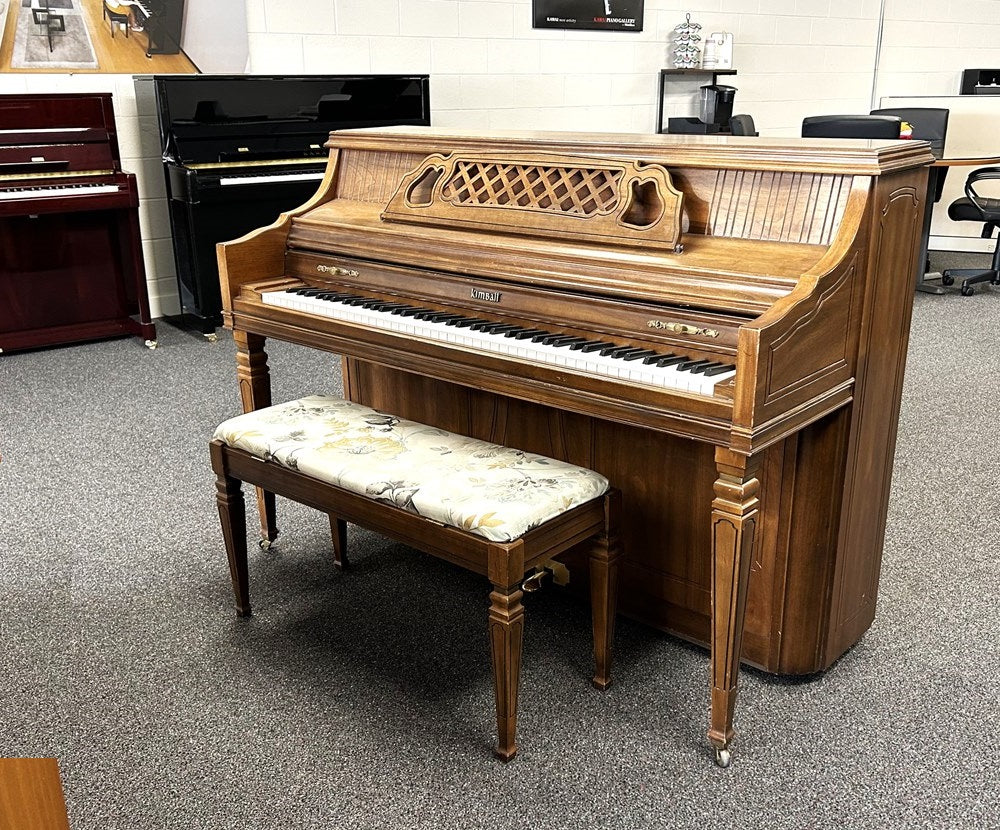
(614, 15)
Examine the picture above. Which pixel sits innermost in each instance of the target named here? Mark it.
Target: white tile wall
(491, 70)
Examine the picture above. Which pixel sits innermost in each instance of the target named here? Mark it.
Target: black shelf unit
(682, 73)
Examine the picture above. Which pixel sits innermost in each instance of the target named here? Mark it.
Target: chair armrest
(982, 174)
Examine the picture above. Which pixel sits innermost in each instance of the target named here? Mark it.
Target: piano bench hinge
(549, 571)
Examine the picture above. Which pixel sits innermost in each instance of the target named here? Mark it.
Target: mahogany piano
(71, 264)
(717, 324)
(238, 150)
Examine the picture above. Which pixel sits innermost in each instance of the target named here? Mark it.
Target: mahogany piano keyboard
(717, 324)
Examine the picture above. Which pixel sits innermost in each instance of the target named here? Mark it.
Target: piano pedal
(550, 571)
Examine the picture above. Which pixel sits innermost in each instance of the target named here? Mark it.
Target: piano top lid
(64, 131)
(205, 119)
(870, 157)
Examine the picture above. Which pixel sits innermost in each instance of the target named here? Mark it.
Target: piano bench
(495, 510)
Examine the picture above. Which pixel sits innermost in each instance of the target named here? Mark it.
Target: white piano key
(49, 192)
(592, 363)
(227, 181)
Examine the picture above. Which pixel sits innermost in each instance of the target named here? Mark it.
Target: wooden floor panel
(116, 55)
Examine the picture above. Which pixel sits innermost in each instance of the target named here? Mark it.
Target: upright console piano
(239, 149)
(717, 324)
(71, 264)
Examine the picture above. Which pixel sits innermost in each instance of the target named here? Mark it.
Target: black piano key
(597, 345)
(412, 311)
(643, 353)
(502, 328)
(308, 292)
(656, 357)
(672, 360)
(571, 340)
(722, 368)
(469, 322)
(688, 365)
(699, 369)
(556, 339)
(587, 345)
(523, 334)
(620, 351)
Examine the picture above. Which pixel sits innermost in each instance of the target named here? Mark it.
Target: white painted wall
(202, 44)
(490, 69)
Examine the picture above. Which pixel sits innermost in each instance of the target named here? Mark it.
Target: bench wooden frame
(505, 564)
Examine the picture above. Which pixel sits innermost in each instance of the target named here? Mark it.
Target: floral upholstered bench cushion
(487, 489)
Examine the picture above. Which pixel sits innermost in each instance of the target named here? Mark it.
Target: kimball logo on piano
(486, 296)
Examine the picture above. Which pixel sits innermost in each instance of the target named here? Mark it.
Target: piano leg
(604, 592)
(734, 522)
(255, 392)
(232, 515)
(506, 633)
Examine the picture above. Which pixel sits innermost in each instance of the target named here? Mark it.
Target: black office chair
(742, 125)
(850, 126)
(975, 207)
(929, 124)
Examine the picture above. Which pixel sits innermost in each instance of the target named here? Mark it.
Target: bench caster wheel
(152, 344)
(722, 758)
(947, 279)
(265, 544)
(211, 337)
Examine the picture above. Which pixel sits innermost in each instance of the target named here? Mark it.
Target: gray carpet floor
(364, 699)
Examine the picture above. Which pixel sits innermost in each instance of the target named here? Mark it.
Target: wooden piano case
(71, 265)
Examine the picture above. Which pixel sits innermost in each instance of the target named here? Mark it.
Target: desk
(942, 164)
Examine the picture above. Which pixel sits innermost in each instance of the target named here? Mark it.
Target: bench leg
(255, 392)
(604, 555)
(506, 632)
(338, 530)
(232, 516)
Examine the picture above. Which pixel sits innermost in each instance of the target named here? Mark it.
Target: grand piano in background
(718, 325)
(239, 150)
(71, 264)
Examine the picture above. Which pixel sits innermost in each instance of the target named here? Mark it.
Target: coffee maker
(716, 108)
(717, 105)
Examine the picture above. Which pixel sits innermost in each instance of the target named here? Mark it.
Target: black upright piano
(239, 150)
(71, 264)
(162, 21)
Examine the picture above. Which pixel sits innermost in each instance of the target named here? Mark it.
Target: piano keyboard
(258, 178)
(7, 194)
(594, 357)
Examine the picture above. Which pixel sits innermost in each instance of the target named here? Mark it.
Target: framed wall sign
(613, 15)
